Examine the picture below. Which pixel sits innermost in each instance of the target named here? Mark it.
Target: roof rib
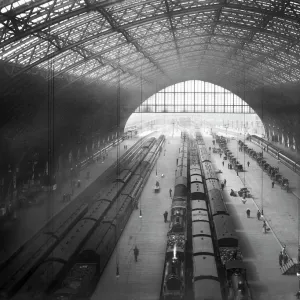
(128, 38)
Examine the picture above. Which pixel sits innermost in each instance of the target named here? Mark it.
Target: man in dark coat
(248, 163)
(166, 216)
(280, 259)
(136, 252)
(248, 213)
(273, 184)
(222, 186)
(170, 191)
(258, 215)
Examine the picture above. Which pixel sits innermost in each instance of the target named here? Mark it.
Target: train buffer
(291, 267)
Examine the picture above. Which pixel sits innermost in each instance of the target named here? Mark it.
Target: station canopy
(226, 42)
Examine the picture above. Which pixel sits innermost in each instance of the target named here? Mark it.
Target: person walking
(248, 163)
(264, 227)
(248, 213)
(170, 191)
(273, 184)
(237, 173)
(136, 252)
(220, 155)
(258, 215)
(222, 186)
(166, 216)
(280, 259)
(225, 182)
(223, 163)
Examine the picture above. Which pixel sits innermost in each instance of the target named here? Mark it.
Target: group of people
(265, 227)
(283, 257)
(229, 166)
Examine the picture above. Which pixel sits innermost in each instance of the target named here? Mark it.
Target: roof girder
(89, 39)
(30, 30)
(128, 38)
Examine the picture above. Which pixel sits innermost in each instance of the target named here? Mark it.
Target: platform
(13, 234)
(142, 280)
(261, 250)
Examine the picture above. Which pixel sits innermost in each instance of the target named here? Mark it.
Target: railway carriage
(197, 190)
(199, 204)
(225, 231)
(216, 201)
(195, 169)
(208, 170)
(212, 183)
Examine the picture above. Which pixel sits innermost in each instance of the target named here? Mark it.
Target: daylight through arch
(194, 96)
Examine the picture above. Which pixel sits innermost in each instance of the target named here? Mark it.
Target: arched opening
(195, 99)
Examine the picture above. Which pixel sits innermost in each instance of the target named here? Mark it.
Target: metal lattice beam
(29, 30)
(173, 30)
(128, 38)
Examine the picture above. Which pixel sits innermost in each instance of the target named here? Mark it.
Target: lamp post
(226, 126)
(173, 127)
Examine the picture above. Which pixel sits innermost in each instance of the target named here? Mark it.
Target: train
(206, 283)
(15, 272)
(95, 254)
(276, 152)
(111, 208)
(231, 257)
(174, 271)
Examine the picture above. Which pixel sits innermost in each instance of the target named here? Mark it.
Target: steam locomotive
(174, 275)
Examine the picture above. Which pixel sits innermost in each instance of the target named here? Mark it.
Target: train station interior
(149, 150)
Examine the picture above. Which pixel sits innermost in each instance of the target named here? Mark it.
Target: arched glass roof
(92, 40)
(194, 96)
